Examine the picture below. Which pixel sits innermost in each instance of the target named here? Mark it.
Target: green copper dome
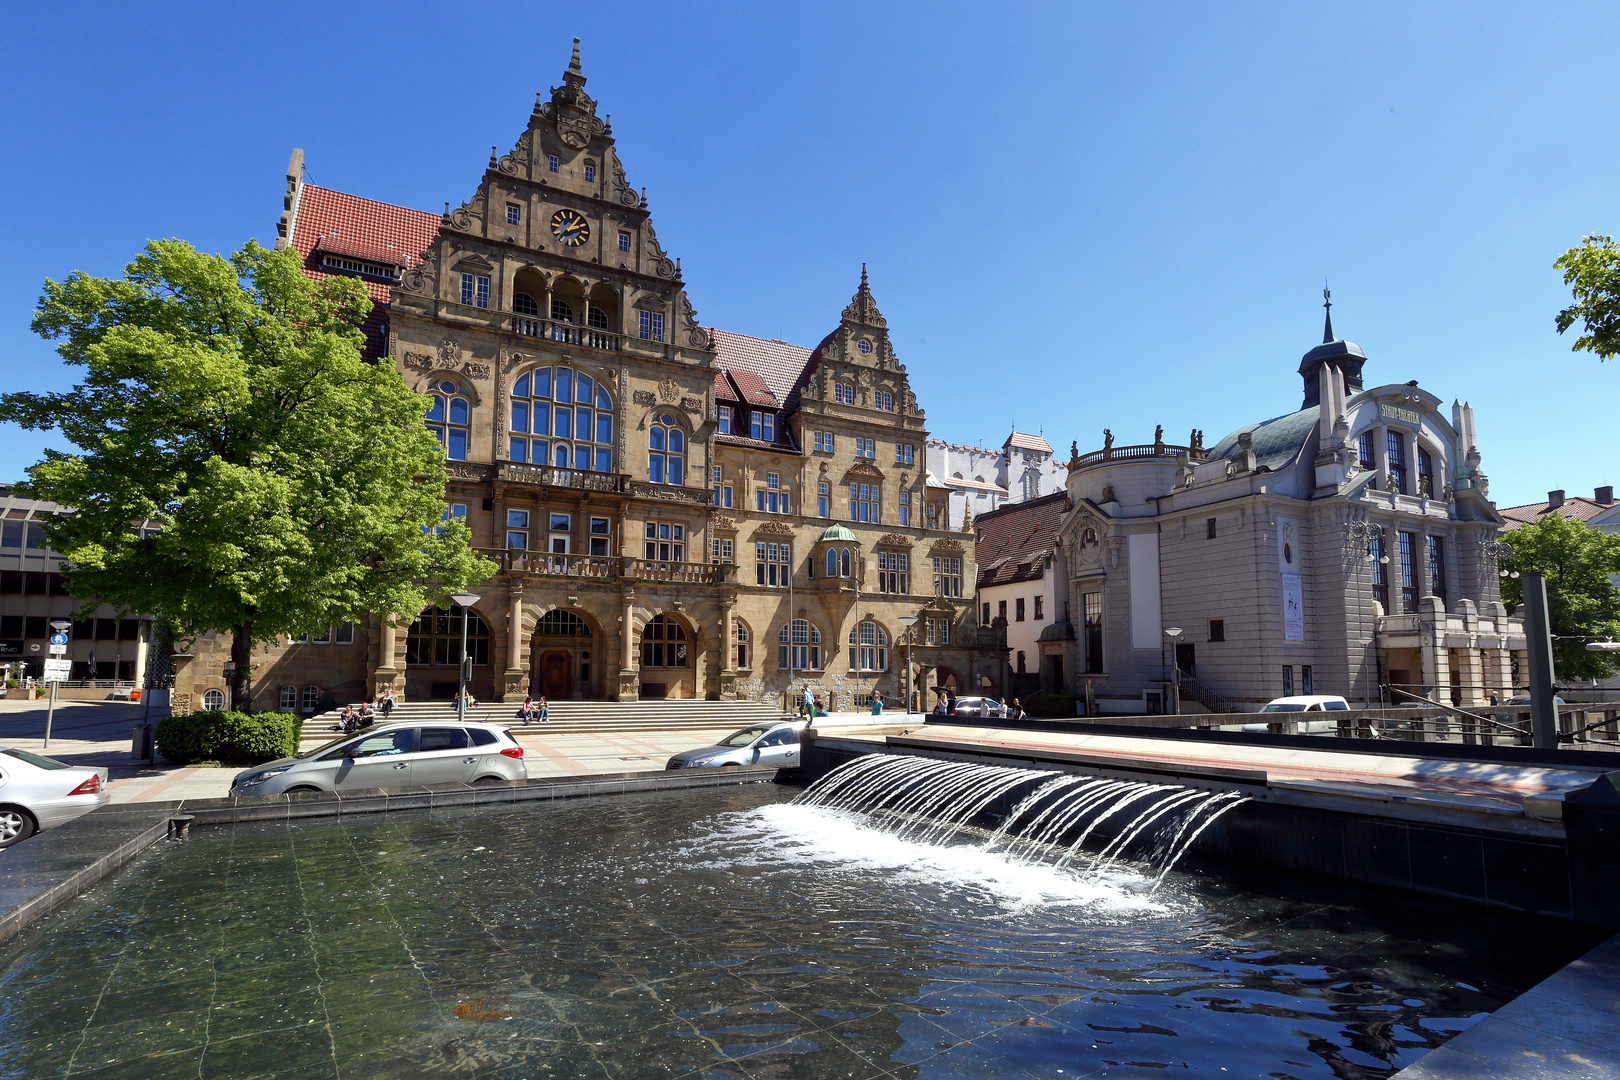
(837, 532)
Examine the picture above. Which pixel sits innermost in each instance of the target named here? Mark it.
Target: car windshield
(1283, 706)
(743, 737)
(1336, 705)
(325, 746)
(35, 760)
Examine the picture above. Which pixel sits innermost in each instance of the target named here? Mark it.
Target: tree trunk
(241, 680)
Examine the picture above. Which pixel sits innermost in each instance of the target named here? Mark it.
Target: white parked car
(39, 793)
(1315, 704)
(757, 744)
(401, 754)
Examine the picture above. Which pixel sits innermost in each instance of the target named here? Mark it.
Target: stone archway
(668, 645)
(565, 656)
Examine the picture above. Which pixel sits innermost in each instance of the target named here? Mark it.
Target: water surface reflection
(724, 935)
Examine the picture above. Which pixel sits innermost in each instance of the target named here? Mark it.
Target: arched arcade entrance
(565, 658)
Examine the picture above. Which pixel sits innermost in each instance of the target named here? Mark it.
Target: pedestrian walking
(1015, 711)
(877, 703)
(809, 708)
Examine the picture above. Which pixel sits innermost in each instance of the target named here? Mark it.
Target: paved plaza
(98, 733)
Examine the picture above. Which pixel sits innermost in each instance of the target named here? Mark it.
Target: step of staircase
(583, 717)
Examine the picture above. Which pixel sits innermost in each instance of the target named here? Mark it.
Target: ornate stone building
(1344, 548)
(676, 511)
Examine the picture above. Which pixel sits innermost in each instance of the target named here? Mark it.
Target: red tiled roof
(753, 388)
(373, 230)
(722, 388)
(779, 364)
(1028, 442)
(782, 446)
(1576, 508)
(1013, 540)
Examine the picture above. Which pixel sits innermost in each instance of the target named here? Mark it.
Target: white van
(1304, 703)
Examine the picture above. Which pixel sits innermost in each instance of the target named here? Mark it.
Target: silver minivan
(393, 755)
(770, 743)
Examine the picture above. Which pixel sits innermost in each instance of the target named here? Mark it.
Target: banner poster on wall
(1293, 596)
(1293, 608)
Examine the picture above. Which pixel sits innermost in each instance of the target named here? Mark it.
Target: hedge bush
(231, 738)
(1049, 705)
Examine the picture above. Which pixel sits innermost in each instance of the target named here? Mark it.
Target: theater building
(676, 511)
(1342, 548)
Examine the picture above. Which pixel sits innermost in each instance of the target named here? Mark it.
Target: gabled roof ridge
(1025, 505)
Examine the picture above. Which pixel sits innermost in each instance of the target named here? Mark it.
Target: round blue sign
(59, 639)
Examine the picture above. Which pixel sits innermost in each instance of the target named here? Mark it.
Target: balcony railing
(565, 333)
(609, 567)
(552, 476)
(1130, 453)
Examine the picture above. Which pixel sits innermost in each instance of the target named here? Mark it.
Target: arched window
(560, 623)
(562, 417)
(868, 647)
(289, 699)
(666, 443)
(1021, 662)
(597, 318)
(832, 562)
(742, 639)
(843, 562)
(524, 304)
(663, 643)
(311, 698)
(798, 646)
(435, 638)
(562, 311)
(449, 417)
(884, 400)
(213, 700)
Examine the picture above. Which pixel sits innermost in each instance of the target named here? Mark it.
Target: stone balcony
(609, 568)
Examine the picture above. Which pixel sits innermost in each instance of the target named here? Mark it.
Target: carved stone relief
(644, 397)
(669, 390)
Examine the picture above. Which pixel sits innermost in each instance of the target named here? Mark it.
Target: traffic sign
(57, 650)
(58, 670)
(59, 638)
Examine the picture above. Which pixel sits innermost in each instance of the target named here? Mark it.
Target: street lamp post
(466, 600)
(908, 621)
(61, 626)
(1174, 632)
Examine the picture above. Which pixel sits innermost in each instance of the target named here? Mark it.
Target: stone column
(1436, 664)
(513, 680)
(629, 680)
(385, 676)
(728, 656)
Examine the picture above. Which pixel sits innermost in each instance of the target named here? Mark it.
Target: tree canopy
(1582, 602)
(1592, 271)
(296, 483)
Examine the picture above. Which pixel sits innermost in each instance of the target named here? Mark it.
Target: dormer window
(843, 393)
(590, 171)
(514, 213)
(884, 400)
(762, 425)
(652, 326)
(342, 264)
(624, 241)
(723, 419)
(552, 164)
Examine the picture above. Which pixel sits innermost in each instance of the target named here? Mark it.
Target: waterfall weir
(932, 801)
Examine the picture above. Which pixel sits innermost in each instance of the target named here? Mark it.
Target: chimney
(1604, 495)
(1555, 499)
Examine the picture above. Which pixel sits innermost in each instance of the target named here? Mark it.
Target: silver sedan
(758, 744)
(393, 755)
(39, 793)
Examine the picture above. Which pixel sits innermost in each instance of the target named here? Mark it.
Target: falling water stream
(933, 802)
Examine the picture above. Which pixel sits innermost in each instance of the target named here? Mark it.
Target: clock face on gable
(570, 227)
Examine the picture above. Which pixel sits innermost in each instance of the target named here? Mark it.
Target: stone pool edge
(49, 870)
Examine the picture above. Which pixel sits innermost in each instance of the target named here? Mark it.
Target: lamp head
(1172, 632)
(465, 599)
(906, 620)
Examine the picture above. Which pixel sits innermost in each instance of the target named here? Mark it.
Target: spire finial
(573, 64)
(1327, 305)
(863, 274)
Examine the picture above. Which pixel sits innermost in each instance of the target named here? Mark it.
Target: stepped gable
(1013, 541)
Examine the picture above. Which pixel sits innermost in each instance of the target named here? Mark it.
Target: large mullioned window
(868, 647)
(798, 646)
(562, 417)
(666, 451)
(449, 417)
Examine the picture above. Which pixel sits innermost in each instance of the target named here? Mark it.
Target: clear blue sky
(1076, 216)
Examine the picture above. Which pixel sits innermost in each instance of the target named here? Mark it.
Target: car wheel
(731, 765)
(16, 825)
(303, 789)
(489, 780)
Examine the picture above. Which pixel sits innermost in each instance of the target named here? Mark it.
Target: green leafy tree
(1592, 271)
(1582, 602)
(296, 484)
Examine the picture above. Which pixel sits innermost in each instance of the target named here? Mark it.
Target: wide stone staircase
(582, 717)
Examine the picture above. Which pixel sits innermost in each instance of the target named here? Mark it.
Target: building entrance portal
(560, 665)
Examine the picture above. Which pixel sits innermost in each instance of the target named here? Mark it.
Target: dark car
(988, 708)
